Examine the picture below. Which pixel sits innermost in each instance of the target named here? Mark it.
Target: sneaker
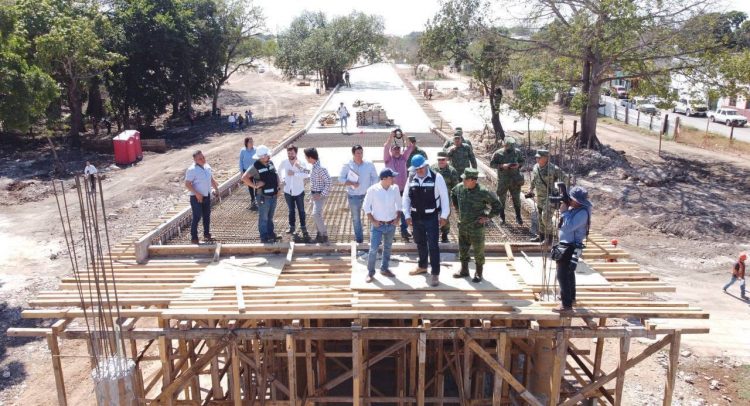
(207, 236)
(254, 207)
(368, 279)
(538, 238)
(387, 273)
(418, 271)
(290, 230)
(406, 234)
(433, 280)
(561, 309)
(405, 237)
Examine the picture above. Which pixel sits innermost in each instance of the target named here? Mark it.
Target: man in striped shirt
(320, 186)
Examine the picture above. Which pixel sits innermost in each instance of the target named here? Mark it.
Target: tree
(461, 33)
(25, 89)
(314, 44)
(240, 24)
(636, 38)
(532, 97)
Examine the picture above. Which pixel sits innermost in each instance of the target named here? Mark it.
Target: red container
(125, 149)
(137, 140)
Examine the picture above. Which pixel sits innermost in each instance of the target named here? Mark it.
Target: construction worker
(476, 206)
(543, 178)
(738, 273)
(263, 177)
(460, 132)
(415, 149)
(575, 221)
(461, 154)
(452, 178)
(508, 161)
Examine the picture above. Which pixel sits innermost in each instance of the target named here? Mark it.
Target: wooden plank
(502, 347)
(621, 369)
(236, 385)
(356, 366)
(558, 368)
(57, 370)
(422, 350)
(674, 358)
(292, 368)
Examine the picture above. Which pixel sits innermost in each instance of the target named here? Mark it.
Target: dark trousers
(566, 277)
(299, 202)
(92, 181)
(252, 194)
(426, 232)
(200, 210)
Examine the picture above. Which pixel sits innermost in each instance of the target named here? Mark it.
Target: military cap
(510, 141)
(442, 154)
(470, 173)
(459, 130)
(412, 137)
(457, 135)
(541, 152)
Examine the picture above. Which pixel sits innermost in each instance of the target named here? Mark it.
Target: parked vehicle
(690, 107)
(730, 117)
(640, 104)
(620, 92)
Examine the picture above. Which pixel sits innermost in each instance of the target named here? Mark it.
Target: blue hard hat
(417, 161)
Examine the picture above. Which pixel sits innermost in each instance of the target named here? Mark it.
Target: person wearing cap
(396, 160)
(415, 149)
(357, 175)
(738, 274)
(461, 154)
(452, 178)
(543, 178)
(464, 140)
(426, 206)
(262, 176)
(575, 221)
(246, 162)
(508, 161)
(199, 179)
(382, 207)
(475, 206)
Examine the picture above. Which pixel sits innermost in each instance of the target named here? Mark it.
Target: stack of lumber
(372, 114)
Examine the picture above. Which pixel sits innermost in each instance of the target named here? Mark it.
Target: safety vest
(422, 195)
(267, 174)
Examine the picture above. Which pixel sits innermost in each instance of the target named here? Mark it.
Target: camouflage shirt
(450, 174)
(448, 143)
(462, 157)
(503, 156)
(471, 204)
(543, 179)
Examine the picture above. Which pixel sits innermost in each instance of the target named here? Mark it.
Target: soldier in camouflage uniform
(460, 132)
(508, 162)
(450, 174)
(461, 155)
(543, 178)
(416, 150)
(471, 201)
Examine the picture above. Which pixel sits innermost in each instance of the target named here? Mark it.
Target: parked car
(690, 107)
(620, 92)
(644, 105)
(730, 117)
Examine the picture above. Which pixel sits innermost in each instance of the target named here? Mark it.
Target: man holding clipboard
(358, 175)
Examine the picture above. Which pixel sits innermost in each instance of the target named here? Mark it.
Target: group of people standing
(240, 120)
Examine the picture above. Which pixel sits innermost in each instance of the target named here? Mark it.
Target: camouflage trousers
(471, 236)
(544, 214)
(506, 186)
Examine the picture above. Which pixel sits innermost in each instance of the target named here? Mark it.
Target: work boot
(405, 237)
(464, 272)
(254, 206)
(538, 238)
(519, 220)
(444, 237)
(478, 274)
(502, 217)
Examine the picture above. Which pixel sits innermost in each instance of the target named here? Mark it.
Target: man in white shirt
(426, 206)
(343, 116)
(293, 173)
(382, 206)
(89, 171)
(199, 179)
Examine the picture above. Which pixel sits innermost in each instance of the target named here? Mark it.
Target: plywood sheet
(255, 271)
(496, 276)
(530, 269)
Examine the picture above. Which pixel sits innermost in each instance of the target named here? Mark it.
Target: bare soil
(33, 255)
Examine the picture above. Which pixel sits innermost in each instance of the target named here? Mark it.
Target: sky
(401, 16)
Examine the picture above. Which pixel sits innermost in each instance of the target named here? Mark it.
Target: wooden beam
(558, 369)
(309, 372)
(422, 349)
(674, 358)
(490, 360)
(292, 368)
(236, 385)
(54, 350)
(621, 368)
(356, 369)
(195, 368)
(502, 346)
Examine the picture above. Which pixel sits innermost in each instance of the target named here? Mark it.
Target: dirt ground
(682, 215)
(33, 255)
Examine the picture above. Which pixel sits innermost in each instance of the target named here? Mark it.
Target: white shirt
(383, 204)
(294, 184)
(441, 192)
(200, 178)
(231, 118)
(343, 112)
(90, 170)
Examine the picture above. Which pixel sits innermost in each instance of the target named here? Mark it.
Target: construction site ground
(682, 216)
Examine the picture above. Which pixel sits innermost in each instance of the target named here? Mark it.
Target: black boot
(502, 217)
(478, 274)
(519, 220)
(538, 238)
(464, 272)
(444, 237)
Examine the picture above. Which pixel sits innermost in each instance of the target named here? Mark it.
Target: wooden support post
(638, 119)
(236, 385)
(502, 347)
(309, 373)
(467, 365)
(165, 355)
(674, 358)
(218, 393)
(598, 354)
(54, 350)
(356, 367)
(422, 349)
(731, 133)
(558, 371)
(440, 376)
(413, 361)
(621, 368)
(292, 367)
(627, 115)
(321, 358)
